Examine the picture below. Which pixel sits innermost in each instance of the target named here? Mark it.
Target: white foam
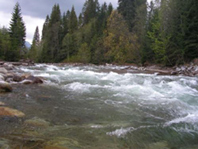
(190, 118)
(120, 132)
(80, 87)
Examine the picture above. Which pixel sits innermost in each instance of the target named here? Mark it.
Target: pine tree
(73, 21)
(52, 38)
(33, 53)
(4, 43)
(17, 34)
(45, 26)
(90, 10)
(128, 9)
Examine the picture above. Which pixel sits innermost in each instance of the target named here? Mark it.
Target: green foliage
(120, 45)
(128, 9)
(34, 50)
(52, 36)
(165, 33)
(73, 22)
(17, 35)
(90, 10)
(84, 53)
(4, 43)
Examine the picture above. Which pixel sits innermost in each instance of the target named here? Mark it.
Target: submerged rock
(2, 103)
(37, 122)
(5, 111)
(4, 144)
(5, 87)
(159, 145)
(62, 143)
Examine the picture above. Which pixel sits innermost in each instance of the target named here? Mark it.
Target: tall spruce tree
(33, 53)
(73, 21)
(128, 9)
(52, 36)
(90, 10)
(17, 34)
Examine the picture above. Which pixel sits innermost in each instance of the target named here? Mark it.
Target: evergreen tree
(45, 27)
(4, 43)
(52, 36)
(17, 34)
(80, 20)
(110, 9)
(33, 53)
(90, 10)
(73, 21)
(128, 8)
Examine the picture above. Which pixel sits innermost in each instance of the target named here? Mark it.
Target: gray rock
(3, 70)
(35, 80)
(2, 77)
(5, 87)
(26, 81)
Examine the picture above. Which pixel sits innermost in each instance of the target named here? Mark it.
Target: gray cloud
(42, 8)
(35, 12)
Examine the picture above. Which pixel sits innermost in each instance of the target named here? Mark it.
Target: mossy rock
(62, 143)
(37, 122)
(159, 145)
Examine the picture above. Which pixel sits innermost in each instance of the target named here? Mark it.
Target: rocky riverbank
(190, 69)
(9, 74)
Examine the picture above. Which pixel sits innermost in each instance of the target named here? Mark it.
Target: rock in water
(5, 111)
(2, 103)
(37, 122)
(32, 80)
(5, 87)
(35, 80)
(62, 143)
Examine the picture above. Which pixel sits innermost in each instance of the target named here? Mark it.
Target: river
(102, 107)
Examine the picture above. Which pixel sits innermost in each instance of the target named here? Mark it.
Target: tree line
(163, 32)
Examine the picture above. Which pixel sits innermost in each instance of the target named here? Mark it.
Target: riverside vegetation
(162, 32)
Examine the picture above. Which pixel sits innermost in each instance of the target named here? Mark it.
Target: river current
(106, 107)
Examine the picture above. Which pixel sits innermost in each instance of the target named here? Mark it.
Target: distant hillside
(27, 44)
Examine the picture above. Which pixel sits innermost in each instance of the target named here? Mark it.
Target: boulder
(3, 70)
(8, 66)
(5, 87)
(35, 80)
(17, 78)
(1, 77)
(5, 111)
(29, 79)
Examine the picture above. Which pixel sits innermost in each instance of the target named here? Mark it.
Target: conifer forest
(160, 32)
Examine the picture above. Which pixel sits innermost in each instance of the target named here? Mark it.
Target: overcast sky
(34, 12)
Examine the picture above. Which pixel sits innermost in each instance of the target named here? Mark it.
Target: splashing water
(133, 110)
